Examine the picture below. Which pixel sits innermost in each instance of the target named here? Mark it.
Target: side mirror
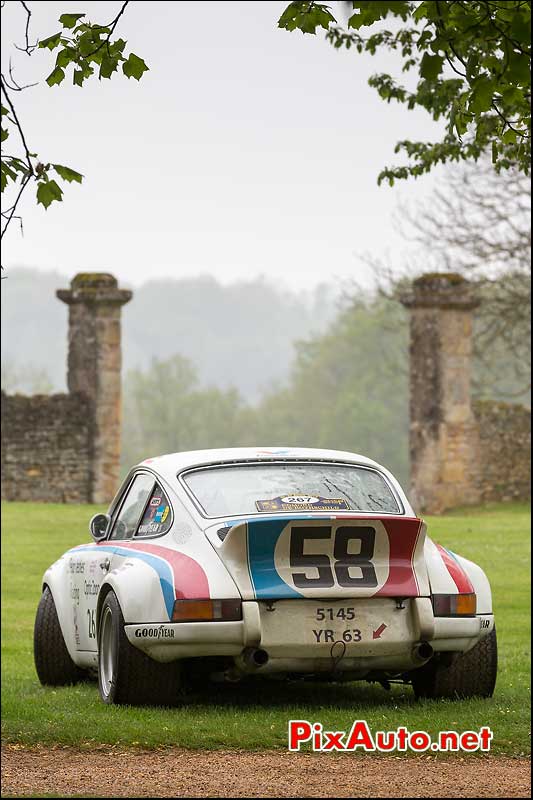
(98, 526)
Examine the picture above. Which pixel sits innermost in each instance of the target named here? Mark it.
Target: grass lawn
(255, 716)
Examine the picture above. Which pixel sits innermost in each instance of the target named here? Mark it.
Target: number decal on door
(91, 623)
(343, 560)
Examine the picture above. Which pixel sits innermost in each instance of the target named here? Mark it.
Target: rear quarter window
(157, 517)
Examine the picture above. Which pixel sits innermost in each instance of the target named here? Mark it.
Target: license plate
(329, 624)
(306, 626)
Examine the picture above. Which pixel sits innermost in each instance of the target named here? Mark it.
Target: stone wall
(65, 448)
(462, 452)
(46, 448)
(504, 450)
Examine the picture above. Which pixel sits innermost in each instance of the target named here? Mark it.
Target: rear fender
(480, 583)
(148, 577)
(138, 590)
(450, 573)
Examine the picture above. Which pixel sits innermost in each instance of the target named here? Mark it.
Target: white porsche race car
(225, 564)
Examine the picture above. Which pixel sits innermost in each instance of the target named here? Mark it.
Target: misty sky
(245, 150)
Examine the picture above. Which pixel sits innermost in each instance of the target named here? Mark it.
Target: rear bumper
(379, 635)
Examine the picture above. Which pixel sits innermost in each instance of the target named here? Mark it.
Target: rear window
(272, 488)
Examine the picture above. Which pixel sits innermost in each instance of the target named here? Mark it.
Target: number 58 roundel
(348, 557)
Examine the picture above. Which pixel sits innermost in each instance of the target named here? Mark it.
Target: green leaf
(47, 192)
(118, 46)
(65, 56)
(52, 41)
(86, 43)
(482, 95)
(306, 16)
(370, 11)
(70, 20)
(494, 152)
(5, 134)
(134, 67)
(107, 67)
(56, 77)
(67, 173)
(7, 173)
(520, 28)
(4, 110)
(78, 77)
(519, 68)
(431, 66)
(509, 137)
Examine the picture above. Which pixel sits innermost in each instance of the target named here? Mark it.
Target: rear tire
(126, 675)
(52, 660)
(470, 674)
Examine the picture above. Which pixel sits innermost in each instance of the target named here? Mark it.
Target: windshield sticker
(302, 502)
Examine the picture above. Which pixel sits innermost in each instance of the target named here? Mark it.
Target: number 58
(343, 560)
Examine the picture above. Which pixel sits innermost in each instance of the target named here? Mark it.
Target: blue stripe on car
(262, 537)
(158, 564)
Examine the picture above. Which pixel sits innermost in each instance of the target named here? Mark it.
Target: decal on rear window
(302, 502)
(156, 518)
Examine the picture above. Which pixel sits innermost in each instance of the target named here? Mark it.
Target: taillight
(454, 605)
(207, 610)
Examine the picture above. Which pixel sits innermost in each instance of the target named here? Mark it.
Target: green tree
(83, 49)
(165, 411)
(348, 389)
(472, 64)
(478, 224)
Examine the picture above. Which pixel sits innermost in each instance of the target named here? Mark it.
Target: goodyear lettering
(152, 527)
(76, 567)
(160, 632)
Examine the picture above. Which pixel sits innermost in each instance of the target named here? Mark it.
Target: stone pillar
(94, 368)
(443, 432)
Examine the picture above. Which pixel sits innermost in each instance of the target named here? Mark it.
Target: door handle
(104, 565)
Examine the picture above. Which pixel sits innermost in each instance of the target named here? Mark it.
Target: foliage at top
(472, 61)
(83, 49)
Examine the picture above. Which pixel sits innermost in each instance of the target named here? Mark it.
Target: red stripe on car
(403, 533)
(459, 576)
(190, 580)
(403, 537)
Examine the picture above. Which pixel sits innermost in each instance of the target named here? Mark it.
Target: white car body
(370, 631)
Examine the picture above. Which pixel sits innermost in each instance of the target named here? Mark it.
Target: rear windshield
(271, 488)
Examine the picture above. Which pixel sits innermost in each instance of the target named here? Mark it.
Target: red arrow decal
(377, 633)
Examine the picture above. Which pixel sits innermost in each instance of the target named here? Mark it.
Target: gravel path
(109, 772)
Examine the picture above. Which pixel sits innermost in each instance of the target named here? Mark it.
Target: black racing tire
(53, 663)
(470, 674)
(126, 675)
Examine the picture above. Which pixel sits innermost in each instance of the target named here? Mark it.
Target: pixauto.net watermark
(359, 737)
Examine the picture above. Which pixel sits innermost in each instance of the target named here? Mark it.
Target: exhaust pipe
(250, 660)
(422, 652)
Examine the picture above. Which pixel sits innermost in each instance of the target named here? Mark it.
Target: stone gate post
(443, 431)
(94, 368)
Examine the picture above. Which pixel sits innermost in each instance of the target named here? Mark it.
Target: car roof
(176, 462)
